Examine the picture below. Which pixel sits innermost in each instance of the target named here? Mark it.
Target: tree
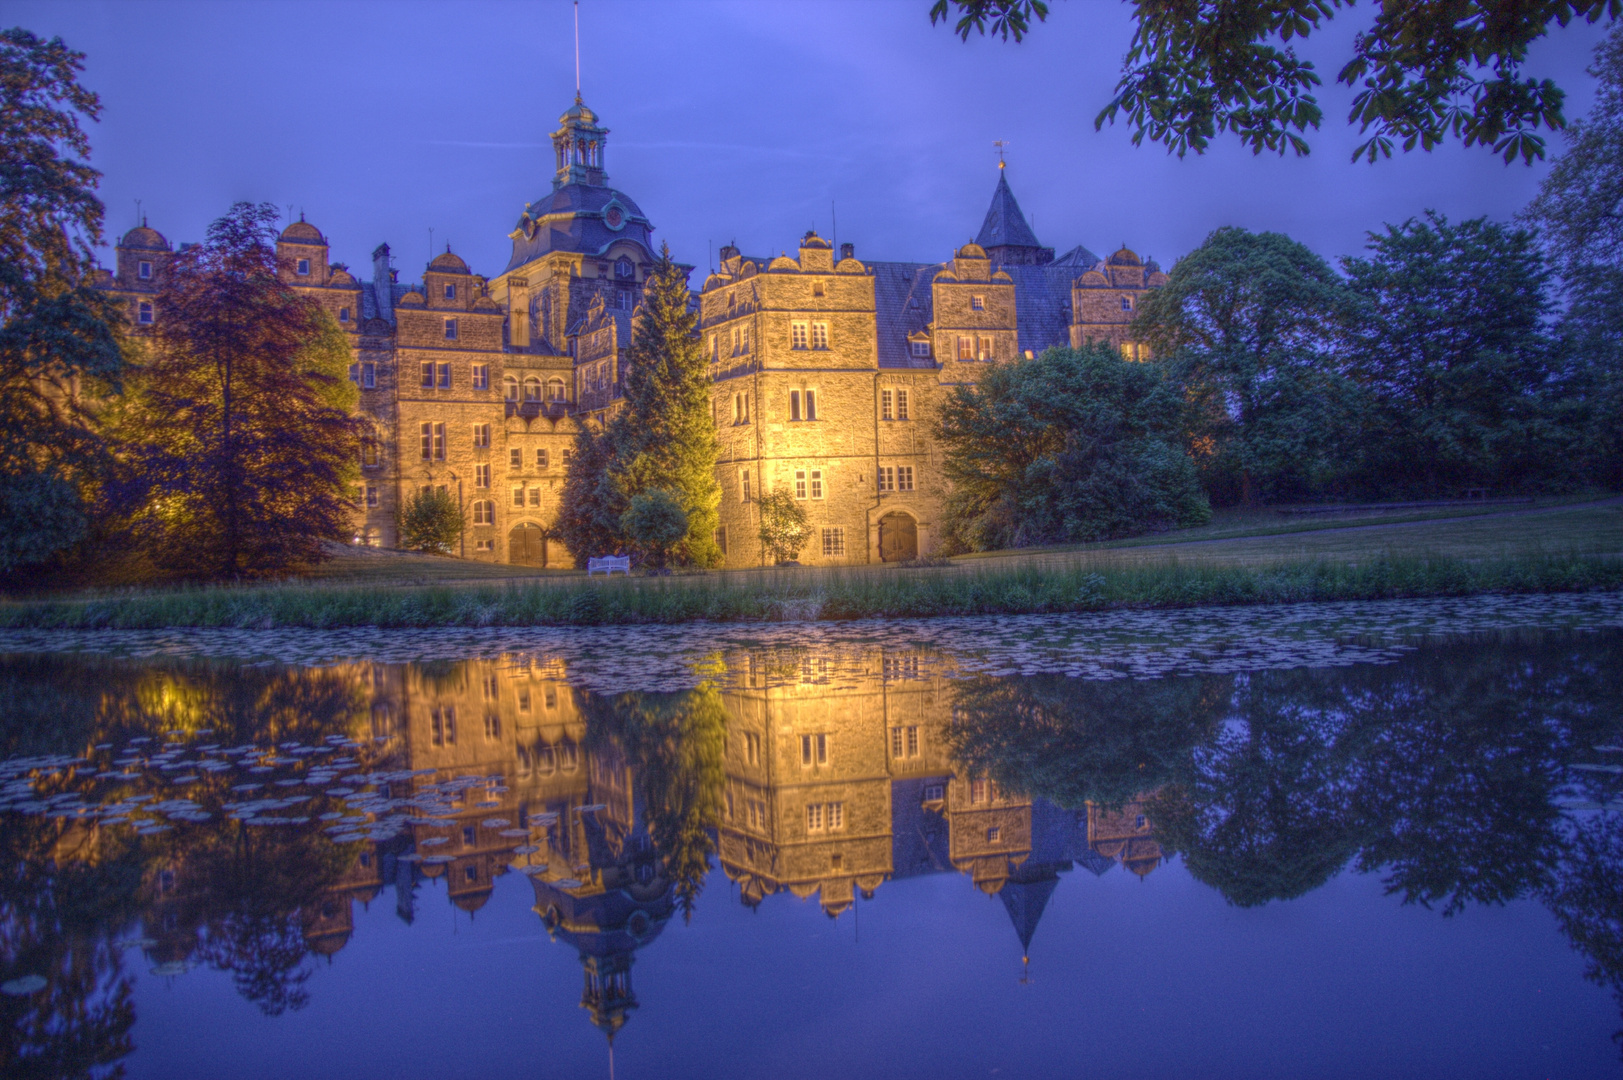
(1579, 213)
(591, 507)
(242, 422)
(1076, 444)
(783, 526)
(431, 521)
(1246, 325)
(1449, 345)
(1425, 73)
(59, 349)
(655, 522)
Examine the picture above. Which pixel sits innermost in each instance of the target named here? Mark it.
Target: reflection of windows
(343, 314)
(752, 747)
(524, 700)
(442, 726)
(814, 749)
(371, 494)
(568, 758)
(492, 687)
(468, 836)
(904, 741)
(979, 790)
(550, 696)
(433, 442)
(493, 727)
(546, 761)
(532, 389)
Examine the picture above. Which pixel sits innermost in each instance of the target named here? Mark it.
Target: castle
(827, 369)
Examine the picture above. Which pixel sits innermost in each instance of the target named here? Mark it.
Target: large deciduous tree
(1076, 444)
(1450, 346)
(1247, 325)
(59, 349)
(242, 424)
(1425, 73)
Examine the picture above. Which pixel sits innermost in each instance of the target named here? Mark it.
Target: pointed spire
(1005, 225)
(1024, 898)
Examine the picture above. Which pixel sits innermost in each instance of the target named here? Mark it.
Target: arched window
(510, 388)
(622, 267)
(532, 389)
(555, 389)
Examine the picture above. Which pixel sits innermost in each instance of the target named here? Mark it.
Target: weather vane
(1000, 144)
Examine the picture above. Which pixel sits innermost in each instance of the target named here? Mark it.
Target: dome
(448, 264)
(972, 251)
(1125, 257)
(302, 232)
(144, 239)
(578, 111)
(472, 901)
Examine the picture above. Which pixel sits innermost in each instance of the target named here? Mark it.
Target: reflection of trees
(676, 743)
(1072, 742)
(1587, 899)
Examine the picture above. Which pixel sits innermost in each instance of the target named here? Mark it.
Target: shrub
(783, 526)
(655, 523)
(431, 521)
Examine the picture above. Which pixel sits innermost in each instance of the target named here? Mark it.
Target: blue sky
(730, 121)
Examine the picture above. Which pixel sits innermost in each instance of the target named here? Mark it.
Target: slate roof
(1042, 304)
(571, 219)
(902, 305)
(1005, 225)
(369, 298)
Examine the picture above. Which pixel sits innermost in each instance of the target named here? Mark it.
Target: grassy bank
(799, 594)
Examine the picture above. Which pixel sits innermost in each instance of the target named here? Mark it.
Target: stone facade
(828, 371)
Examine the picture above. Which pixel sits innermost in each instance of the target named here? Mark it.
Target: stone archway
(898, 537)
(527, 545)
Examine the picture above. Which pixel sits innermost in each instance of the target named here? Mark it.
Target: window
(518, 495)
(994, 834)
(814, 749)
(714, 354)
(811, 404)
(450, 329)
(304, 267)
(977, 303)
(979, 791)
(622, 267)
(515, 458)
(835, 812)
(800, 483)
(541, 458)
(555, 389)
(814, 817)
(442, 726)
(433, 442)
(493, 727)
(143, 270)
(443, 379)
(484, 511)
(371, 494)
(510, 388)
(904, 478)
(821, 816)
(481, 376)
(481, 477)
(904, 742)
(1127, 303)
(369, 453)
(797, 335)
(427, 370)
(901, 404)
(934, 792)
(450, 292)
(1140, 821)
(834, 541)
(794, 404)
(887, 406)
(532, 389)
(343, 314)
(819, 335)
(744, 338)
(966, 347)
(481, 436)
(143, 313)
(817, 288)
(535, 496)
(921, 348)
(984, 348)
(369, 375)
(741, 408)
(817, 483)
(887, 478)
(567, 454)
(623, 296)
(469, 833)
(721, 539)
(752, 747)
(744, 484)
(355, 373)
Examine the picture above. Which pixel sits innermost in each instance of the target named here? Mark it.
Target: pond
(1329, 840)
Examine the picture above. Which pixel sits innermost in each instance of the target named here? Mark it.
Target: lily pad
(25, 985)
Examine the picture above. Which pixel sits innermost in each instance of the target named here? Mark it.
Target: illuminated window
(834, 541)
(481, 436)
(450, 294)
(481, 376)
(817, 483)
(921, 348)
(977, 303)
(541, 458)
(800, 483)
(143, 270)
(966, 347)
(450, 329)
(979, 791)
(814, 750)
(984, 348)
(481, 477)
(143, 313)
(304, 267)
(484, 511)
(797, 335)
(819, 335)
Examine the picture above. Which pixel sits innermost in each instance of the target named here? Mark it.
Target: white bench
(608, 564)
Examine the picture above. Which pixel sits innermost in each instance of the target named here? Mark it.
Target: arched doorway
(527, 545)
(898, 537)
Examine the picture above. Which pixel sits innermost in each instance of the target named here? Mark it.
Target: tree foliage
(241, 424)
(784, 529)
(1424, 74)
(655, 523)
(432, 521)
(1072, 445)
(1450, 347)
(59, 347)
(1247, 325)
(663, 438)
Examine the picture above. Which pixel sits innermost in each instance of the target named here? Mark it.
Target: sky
(747, 121)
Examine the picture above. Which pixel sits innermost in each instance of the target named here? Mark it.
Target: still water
(864, 856)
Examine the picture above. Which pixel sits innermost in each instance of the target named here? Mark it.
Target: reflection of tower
(1125, 835)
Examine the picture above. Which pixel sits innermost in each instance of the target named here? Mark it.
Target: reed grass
(792, 594)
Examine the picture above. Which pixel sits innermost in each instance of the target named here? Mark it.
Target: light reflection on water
(237, 833)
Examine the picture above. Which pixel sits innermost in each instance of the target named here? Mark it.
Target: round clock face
(615, 217)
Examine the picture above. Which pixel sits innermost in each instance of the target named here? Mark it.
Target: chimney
(728, 251)
(382, 279)
(846, 251)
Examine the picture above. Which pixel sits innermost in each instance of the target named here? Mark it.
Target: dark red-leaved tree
(242, 425)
